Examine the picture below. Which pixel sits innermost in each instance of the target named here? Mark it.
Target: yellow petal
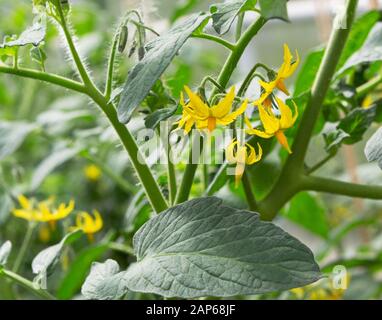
(24, 202)
(270, 122)
(229, 153)
(234, 115)
(252, 156)
(256, 132)
(287, 119)
(224, 106)
(200, 108)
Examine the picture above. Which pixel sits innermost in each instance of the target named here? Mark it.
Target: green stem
(251, 75)
(122, 183)
(239, 26)
(225, 75)
(342, 188)
(121, 248)
(249, 192)
(218, 40)
(24, 247)
(364, 89)
(319, 164)
(46, 77)
(210, 189)
(289, 182)
(110, 66)
(27, 284)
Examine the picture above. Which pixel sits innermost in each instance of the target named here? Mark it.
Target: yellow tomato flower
(275, 125)
(285, 71)
(88, 224)
(205, 117)
(92, 172)
(242, 155)
(42, 211)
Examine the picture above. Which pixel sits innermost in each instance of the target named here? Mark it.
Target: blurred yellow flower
(92, 172)
(42, 211)
(199, 113)
(286, 70)
(242, 155)
(275, 125)
(88, 224)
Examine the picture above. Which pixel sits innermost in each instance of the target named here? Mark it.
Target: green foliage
(224, 14)
(373, 149)
(5, 251)
(182, 238)
(104, 282)
(160, 53)
(274, 9)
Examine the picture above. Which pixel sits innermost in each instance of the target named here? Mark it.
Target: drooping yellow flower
(42, 211)
(242, 155)
(89, 224)
(92, 172)
(205, 117)
(285, 71)
(274, 125)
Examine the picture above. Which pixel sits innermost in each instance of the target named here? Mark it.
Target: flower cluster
(274, 114)
(46, 212)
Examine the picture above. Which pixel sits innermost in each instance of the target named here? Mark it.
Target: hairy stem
(218, 40)
(24, 247)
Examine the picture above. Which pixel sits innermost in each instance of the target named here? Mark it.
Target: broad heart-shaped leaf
(370, 51)
(33, 35)
(274, 9)
(12, 135)
(160, 53)
(224, 14)
(5, 250)
(307, 211)
(50, 163)
(203, 248)
(45, 262)
(373, 149)
(104, 282)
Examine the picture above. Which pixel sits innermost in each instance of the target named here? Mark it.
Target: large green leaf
(45, 262)
(75, 276)
(12, 135)
(274, 9)
(203, 248)
(5, 250)
(370, 51)
(373, 149)
(160, 53)
(50, 163)
(105, 282)
(305, 210)
(225, 13)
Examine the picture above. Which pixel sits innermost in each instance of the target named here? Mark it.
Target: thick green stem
(289, 180)
(24, 247)
(341, 188)
(26, 284)
(46, 77)
(225, 75)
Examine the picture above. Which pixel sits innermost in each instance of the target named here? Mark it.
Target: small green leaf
(5, 251)
(373, 149)
(33, 35)
(370, 51)
(305, 210)
(104, 282)
(160, 53)
(78, 270)
(308, 72)
(274, 9)
(12, 135)
(49, 164)
(45, 262)
(153, 120)
(38, 55)
(334, 139)
(224, 14)
(203, 248)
